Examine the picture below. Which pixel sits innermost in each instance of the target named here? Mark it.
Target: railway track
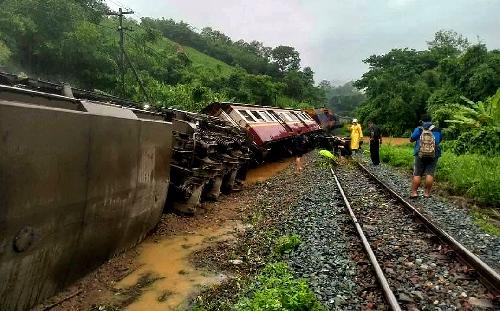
(417, 265)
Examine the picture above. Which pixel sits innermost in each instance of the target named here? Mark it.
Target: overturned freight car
(85, 176)
(80, 181)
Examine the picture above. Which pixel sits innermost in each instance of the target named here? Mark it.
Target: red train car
(325, 118)
(266, 126)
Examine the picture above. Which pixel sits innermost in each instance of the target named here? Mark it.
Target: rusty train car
(270, 129)
(85, 175)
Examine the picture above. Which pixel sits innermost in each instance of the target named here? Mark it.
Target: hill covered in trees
(76, 41)
(404, 84)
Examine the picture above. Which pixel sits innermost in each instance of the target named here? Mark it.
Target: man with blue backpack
(426, 152)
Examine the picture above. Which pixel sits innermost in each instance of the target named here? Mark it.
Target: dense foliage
(476, 126)
(76, 41)
(404, 84)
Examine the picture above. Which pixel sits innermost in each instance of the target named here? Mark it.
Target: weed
(275, 288)
(483, 220)
(104, 308)
(164, 296)
(286, 244)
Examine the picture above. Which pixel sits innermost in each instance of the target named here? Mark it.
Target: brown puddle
(266, 171)
(166, 277)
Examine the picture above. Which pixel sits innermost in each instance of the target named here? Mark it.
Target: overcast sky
(333, 36)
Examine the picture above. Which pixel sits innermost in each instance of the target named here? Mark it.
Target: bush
(277, 289)
(476, 176)
(484, 140)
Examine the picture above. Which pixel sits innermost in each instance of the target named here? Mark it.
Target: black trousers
(374, 151)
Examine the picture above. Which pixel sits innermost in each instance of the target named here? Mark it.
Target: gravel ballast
(330, 256)
(422, 271)
(451, 218)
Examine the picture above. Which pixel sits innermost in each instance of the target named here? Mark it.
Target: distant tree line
(76, 41)
(281, 64)
(342, 99)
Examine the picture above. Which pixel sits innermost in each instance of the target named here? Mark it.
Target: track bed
(422, 272)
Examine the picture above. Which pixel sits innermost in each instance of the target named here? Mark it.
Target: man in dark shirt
(375, 141)
(424, 166)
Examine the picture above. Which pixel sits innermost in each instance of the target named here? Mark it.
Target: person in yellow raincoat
(356, 135)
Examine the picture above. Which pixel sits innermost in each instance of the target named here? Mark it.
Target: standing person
(356, 135)
(426, 152)
(299, 144)
(375, 142)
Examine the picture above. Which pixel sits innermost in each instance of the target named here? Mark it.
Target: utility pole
(120, 14)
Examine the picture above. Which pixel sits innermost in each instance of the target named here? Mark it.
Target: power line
(120, 15)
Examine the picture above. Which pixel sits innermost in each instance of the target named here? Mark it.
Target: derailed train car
(83, 178)
(270, 129)
(85, 175)
(209, 157)
(80, 181)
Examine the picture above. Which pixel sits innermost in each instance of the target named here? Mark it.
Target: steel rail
(488, 275)
(389, 295)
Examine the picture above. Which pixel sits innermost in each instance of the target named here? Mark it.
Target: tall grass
(471, 175)
(399, 156)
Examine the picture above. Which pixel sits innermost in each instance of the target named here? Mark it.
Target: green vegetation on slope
(204, 60)
(343, 99)
(83, 48)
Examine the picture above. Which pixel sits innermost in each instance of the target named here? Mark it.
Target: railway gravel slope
(453, 219)
(330, 256)
(422, 272)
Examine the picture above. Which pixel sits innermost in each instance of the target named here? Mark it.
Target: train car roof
(248, 105)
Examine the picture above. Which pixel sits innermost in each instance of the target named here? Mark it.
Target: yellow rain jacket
(356, 135)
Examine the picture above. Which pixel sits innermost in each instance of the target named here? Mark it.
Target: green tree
(447, 43)
(286, 57)
(5, 54)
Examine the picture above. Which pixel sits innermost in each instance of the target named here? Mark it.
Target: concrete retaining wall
(77, 186)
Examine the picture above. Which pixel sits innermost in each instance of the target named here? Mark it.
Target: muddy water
(165, 265)
(267, 170)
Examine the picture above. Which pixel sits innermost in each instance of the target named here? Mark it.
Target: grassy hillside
(161, 68)
(204, 60)
(198, 59)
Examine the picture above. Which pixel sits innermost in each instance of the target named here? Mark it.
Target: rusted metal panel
(75, 189)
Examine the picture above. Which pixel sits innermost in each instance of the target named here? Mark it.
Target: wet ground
(267, 170)
(167, 263)
(158, 274)
(210, 259)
